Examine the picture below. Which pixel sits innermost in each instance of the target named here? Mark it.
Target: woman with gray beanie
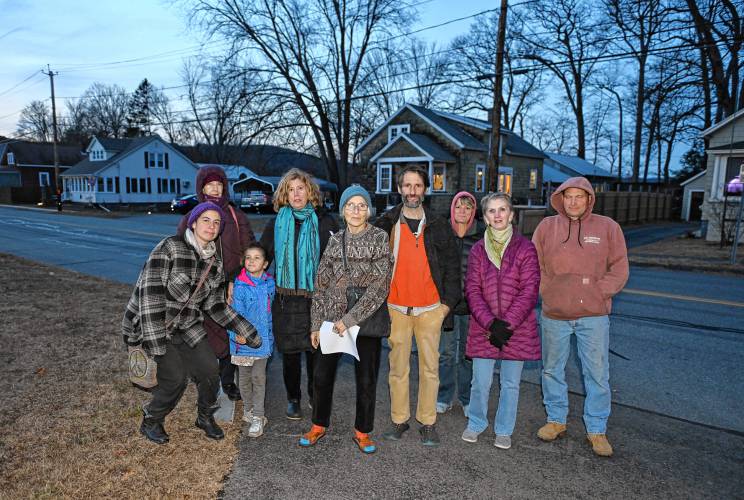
(181, 284)
(351, 289)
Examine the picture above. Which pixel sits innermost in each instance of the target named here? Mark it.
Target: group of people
(205, 293)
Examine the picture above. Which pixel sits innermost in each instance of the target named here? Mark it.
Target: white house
(725, 149)
(234, 173)
(144, 170)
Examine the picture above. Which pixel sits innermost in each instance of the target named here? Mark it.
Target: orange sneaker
(310, 438)
(364, 442)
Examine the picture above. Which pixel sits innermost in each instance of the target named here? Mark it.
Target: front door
(696, 202)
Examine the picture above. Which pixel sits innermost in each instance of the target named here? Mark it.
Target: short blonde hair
(281, 195)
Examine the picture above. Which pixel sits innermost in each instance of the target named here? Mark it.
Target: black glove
(500, 333)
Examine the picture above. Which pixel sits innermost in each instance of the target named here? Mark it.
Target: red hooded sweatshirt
(583, 262)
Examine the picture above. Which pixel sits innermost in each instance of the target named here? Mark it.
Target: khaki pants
(427, 329)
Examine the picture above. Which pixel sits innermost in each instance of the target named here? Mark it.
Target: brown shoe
(551, 431)
(600, 445)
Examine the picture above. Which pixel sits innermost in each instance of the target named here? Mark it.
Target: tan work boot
(600, 445)
(551, 431)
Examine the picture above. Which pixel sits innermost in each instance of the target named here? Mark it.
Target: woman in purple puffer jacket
(501, 287)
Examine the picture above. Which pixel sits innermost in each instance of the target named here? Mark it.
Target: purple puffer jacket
(510, 294)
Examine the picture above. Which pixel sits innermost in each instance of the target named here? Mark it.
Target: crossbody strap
(202, 279)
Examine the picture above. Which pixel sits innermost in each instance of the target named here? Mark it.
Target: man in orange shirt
(425, 287)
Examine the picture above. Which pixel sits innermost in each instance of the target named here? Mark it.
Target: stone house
(454, 150)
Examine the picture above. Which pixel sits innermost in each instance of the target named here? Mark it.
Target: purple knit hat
(203, 207)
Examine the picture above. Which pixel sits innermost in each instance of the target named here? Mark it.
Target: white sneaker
(257, 426)
(443, 407)
(470, 436)
(248, 417)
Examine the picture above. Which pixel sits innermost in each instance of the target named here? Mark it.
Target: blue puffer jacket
(252, 299)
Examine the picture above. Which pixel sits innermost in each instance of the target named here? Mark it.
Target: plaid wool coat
(165, 284)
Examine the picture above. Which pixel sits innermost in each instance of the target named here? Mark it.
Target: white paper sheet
(331, 342)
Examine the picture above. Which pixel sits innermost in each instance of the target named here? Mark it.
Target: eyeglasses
(352, 207)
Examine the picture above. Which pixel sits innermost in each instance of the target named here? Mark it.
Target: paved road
(678, 416)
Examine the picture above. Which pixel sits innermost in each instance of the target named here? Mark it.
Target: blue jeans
(510, 375)
(593, 346)
(451, 352)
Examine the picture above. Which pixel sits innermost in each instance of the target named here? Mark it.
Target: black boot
(205, 421)
(153, 430)
(293, 410)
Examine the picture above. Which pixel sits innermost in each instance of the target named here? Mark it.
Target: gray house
(145, 170)
(725, 149)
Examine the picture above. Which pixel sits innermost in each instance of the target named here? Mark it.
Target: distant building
(27, 169)
(453, 149)
(693, 195)
(725, 150)
(559, 167)
(145, 170)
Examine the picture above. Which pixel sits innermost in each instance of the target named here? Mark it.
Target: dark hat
(203, 207)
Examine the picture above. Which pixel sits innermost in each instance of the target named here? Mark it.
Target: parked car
(184, 204)
(258, 201)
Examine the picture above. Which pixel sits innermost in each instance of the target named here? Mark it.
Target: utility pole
(57, 183)
(494, 156)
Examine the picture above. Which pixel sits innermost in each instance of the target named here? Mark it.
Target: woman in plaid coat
(166, 315)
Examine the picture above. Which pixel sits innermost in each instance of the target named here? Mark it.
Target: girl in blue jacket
(252, 296)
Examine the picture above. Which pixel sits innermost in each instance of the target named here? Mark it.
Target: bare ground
(69, 418)
(692, 254)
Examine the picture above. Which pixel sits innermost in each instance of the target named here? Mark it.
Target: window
(97, 154)
(109, 184)
(44, 179)
(533, 179)
(143, 185)
(11, 158)
(100, 184)
(395, 130)
(439, 178)
(480, 178)
(385, 178)
(161, 163)
(505, 179)
(152, 160)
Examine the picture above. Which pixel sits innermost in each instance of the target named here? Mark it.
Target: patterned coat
(171, 273)
(370, 266)
(510, 294)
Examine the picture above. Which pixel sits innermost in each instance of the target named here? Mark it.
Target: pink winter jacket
(510, 294)
(583, 262)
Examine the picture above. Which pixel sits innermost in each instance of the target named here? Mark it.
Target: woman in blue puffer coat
(253, 292)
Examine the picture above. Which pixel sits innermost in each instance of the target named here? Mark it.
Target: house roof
(551, 174)
(708, 131)
(693, 178)
(579, 165)
(273, 181)
(516, 146)
(726, 147)
(465, 140)
(110, 144)
(421, 142)
(42, 153)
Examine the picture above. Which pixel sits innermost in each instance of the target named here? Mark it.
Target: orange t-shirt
(412, 284)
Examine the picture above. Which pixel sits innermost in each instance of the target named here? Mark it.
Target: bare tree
(106, 109)
(35, 122)
(567, 44)
(639, 24)
(719, 25)
(473, 54)
(427, 64)
(317, 49)
(228, 106)
(551, 131)
(171, 123)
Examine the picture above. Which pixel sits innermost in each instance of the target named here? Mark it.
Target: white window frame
(398, 129)
(161, 160)
(434, 168)
(11, 158)
(44, 179)
(482, 169)
(504, 173)
(380, 168)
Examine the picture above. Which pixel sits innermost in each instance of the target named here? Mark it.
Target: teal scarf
(307, 251)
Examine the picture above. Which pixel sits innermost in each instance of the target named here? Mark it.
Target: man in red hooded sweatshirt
(583, 264)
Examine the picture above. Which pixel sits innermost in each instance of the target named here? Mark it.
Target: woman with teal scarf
(295, 240)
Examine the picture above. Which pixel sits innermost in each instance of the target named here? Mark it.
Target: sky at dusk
(111, 41)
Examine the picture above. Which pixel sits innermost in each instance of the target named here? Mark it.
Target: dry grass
(688, 253)
(69, 419)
